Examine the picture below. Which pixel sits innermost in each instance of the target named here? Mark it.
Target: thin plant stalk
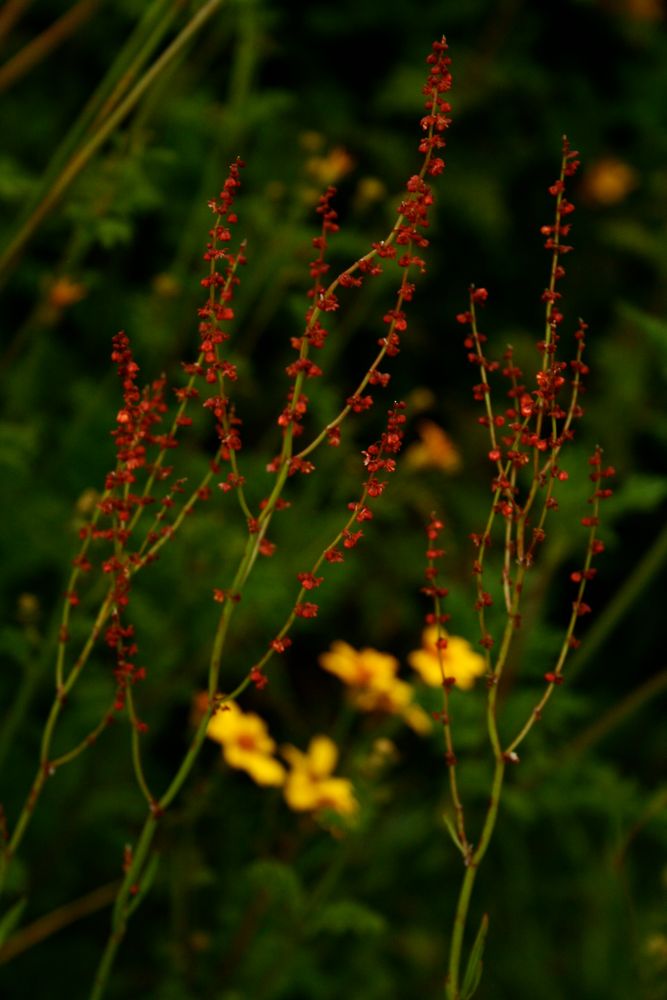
(49, 40)
(83, 155)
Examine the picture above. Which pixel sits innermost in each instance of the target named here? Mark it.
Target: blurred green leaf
(347, 916)
(11, 918)
(473, 973)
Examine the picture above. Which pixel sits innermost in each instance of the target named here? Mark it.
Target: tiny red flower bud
(259, 679)
(350, 538)
(306, 610)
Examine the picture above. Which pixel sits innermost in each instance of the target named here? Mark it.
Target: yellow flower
(246, 744)
(394, 698)
(434, 450)
(369, 191)
(608, 181)
(459, 660)
(332, 167)
(66, 292)
(359, 667)
(376, 688)
(309, 786)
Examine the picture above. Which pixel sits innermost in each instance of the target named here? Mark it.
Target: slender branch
(48, 925)
(39, 48)
(81, 158)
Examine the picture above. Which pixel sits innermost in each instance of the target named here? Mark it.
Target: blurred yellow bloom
(310, 787)
(459, 660)
(608, 181)
(166, 286)
(246, 744)
(359, 667)
(376, 688)
(435, 449)
(369, 191)
(311, 141)
(329, 169)
(66, 292)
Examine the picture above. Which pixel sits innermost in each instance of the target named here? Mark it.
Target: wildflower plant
(527, 440)
(146, 501)
(145, 504)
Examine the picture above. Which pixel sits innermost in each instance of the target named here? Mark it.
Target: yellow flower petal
(261, 768)
(309, 786)
(459, 660)
(246, 744)
(359, 667)
(295, 758)
(435, 449)
(322, 756)
(418, 719)
(337, 794)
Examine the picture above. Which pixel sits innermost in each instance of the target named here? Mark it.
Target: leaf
(347, 916)
(278, 880)
(452, 832)
(15, 183)
(11, 918)
(474, 968)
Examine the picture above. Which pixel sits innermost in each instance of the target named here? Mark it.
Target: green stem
(465, 893)
(120, 913)
(125, 68)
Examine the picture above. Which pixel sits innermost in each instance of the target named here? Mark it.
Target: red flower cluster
(436, 121)
(537, 422)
